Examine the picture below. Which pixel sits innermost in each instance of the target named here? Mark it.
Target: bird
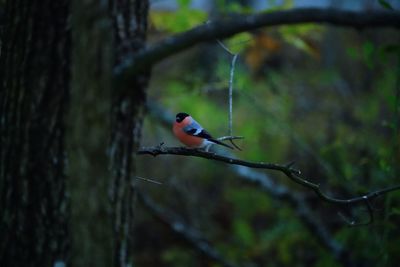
(191, 133)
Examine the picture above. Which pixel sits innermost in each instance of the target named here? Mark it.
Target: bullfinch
(190, 133)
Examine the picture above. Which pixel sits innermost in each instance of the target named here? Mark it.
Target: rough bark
(34, 75)
(130, 25)
(88, 134)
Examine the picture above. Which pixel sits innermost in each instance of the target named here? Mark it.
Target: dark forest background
(85, 85)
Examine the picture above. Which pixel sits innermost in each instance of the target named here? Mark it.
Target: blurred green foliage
(321, 96)
(385, 4)
(324, 97)
(184, 18)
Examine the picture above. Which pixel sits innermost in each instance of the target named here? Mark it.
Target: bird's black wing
(195, 129)
(203, 134)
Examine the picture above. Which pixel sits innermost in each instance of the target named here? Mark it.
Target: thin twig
(225, 47)
(231, 91)
(231, 76)
(348, 221)
(229, 137)
(353, 223)
(148, 180)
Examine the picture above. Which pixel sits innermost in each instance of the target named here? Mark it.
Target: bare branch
(155, 151)
(190, 235)
(290, 172)
(224, 28)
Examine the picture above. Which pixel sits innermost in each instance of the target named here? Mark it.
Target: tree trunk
(88, 134)
(130, 26)
(34, 84)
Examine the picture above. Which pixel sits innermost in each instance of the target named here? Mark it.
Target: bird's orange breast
(188, 140)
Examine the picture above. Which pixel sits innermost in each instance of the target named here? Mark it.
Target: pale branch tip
(228, 137)
(231, 76)
(231, 138)
(291, 173)
(230, 93)
(349, 222)
(225, 47)
(290, 164)
(149, 180)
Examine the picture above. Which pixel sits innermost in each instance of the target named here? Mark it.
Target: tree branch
(227, 27)
(290, 172)
(160, 150)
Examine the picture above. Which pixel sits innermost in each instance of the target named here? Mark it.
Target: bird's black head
(181, 116)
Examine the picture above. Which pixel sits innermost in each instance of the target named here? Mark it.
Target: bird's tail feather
(220, 143)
